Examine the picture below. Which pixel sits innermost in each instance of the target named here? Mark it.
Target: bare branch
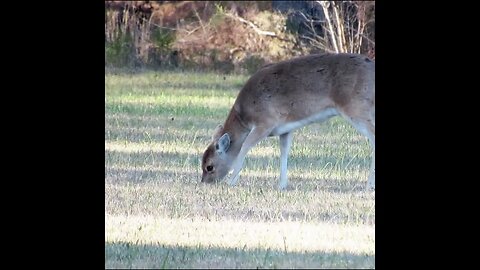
(156, 25)
(369, 40)
(199, 20)
(258, 30)
(360, 32)
(339, 26)
(318, 44)
(325, 5)
(172, 29)
(309, 18)
(192, 31)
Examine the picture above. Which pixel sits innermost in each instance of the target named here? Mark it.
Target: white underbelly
(290, 126)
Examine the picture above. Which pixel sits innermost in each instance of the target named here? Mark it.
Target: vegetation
(232, 36)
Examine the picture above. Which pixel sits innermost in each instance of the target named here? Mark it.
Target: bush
(228, 36)
(119, 52)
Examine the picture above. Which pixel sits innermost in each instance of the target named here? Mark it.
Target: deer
(288, 95)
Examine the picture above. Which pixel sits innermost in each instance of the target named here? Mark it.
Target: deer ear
(223, 143)
(217, 133)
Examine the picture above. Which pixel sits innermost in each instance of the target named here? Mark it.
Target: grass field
(158, 215)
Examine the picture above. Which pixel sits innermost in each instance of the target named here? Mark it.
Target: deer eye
(210, 168)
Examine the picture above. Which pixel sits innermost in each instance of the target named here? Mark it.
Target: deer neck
(237, 130)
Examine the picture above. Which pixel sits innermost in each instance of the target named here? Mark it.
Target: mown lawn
(158, 215)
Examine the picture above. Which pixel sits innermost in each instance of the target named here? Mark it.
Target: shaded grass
(156, 128)
(161, 256)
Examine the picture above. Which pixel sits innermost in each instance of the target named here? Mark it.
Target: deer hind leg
(371, 178)
(255, 135)
(366, 126)
(368, 130)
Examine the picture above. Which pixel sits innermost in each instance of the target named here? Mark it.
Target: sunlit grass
(158, 215)
(287, 238)
(292, 236)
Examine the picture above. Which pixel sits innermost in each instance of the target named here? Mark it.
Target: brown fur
(294, 91)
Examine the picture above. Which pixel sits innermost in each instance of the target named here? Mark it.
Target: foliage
(230, 36)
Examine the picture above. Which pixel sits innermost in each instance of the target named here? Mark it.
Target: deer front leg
(255, 135)
(285, 144)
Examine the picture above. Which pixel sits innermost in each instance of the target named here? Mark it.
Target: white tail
(286, 96)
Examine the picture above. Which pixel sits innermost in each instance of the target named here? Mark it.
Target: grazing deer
(282, 97)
